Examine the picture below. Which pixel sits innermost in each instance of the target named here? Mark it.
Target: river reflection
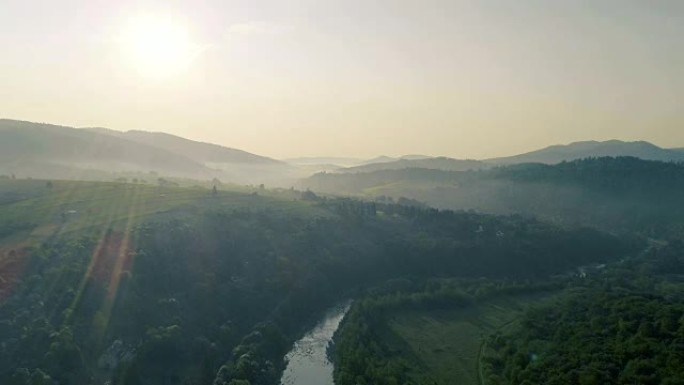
(307, 362)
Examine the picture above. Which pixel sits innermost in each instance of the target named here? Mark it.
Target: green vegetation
(141, 284)
(620, 323)
(430, 333)
(73, 207)
(448, 342)
(623, 326)
(614, 194)
(595, 336)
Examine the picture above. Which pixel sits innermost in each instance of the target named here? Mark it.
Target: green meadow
(448, 343)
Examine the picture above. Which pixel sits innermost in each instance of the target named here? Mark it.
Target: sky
(357, 78)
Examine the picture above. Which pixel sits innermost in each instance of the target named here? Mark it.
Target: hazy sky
(354, 77)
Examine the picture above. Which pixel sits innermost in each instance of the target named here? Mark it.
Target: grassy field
(448, 343)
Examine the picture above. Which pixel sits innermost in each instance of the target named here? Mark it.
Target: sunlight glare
(157, 46)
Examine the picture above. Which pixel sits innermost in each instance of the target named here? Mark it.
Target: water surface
(307, 362)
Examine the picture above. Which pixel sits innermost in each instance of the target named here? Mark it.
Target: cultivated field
(448, 343)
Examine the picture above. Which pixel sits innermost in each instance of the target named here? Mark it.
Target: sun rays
(113, 252)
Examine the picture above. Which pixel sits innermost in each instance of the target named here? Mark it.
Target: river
(307, 362)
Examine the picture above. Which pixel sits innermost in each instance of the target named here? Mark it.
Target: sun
(157, 46)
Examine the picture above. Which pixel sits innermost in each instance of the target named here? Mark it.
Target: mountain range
(438, 163)
(51, 151)
(45, 150)
(605, 192)
(549, 155)
(593, 149)
(201, 152)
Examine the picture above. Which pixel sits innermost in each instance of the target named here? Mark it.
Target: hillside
(227, 164)
(140, 284)
(613, 323)
(593, 149)
(50, 151)
(200, 152)
(379, 159)
(440, 163)
(611, 193)
(45, 150)
(330, 161)
(388, 159)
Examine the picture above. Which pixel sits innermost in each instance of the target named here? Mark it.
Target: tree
(309, 195)
(33, 377)
(239, 382)
(214, 191)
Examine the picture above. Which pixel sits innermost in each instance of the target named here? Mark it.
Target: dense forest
(622, 194)
(217, 295)
(595, 336)
(618, 323)
(623, 326)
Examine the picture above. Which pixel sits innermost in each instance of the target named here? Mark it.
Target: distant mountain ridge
(606, 192)
(592, 149)
(200, 152)
(388, 159)
(29, 147)
(46, 150)
(438, 163)
(42, 150)
(549, 155)
(336, 161)
(344, 163)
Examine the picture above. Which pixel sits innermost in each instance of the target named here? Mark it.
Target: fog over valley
(326, 192)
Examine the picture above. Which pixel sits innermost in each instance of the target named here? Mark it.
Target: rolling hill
(623, 193)
(58, 152)
(45, 150)
(201, 152)
(389, 159)
(228, 164)
(52, 151)
(130, 286)
(331, 161)
(440, 163)
(594, 149)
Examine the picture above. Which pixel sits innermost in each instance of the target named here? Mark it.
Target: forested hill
(622, 193)
(175, 286)
(620, 323)
(604, 173)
